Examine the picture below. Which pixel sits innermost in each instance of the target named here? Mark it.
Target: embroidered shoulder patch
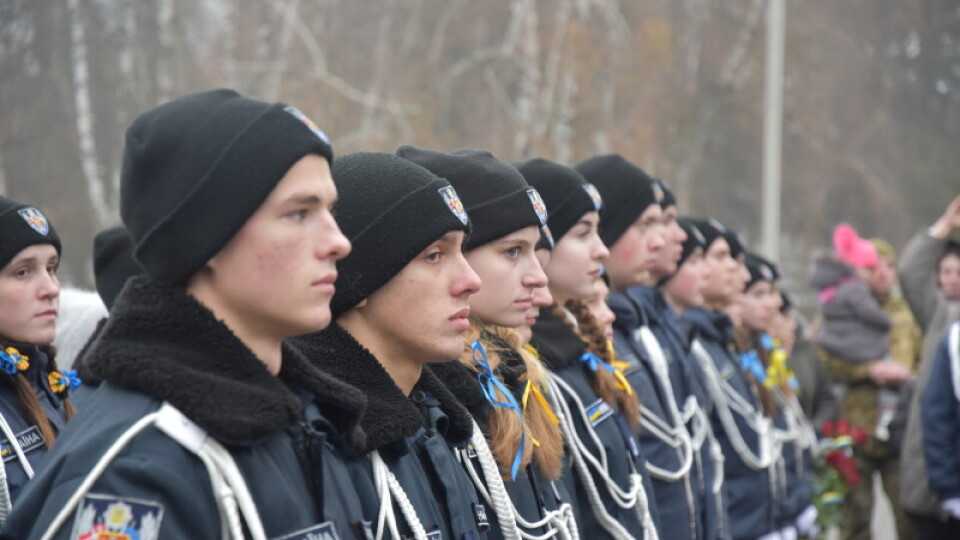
(594, 194)
(29, 439)
(598, 411)
(36, 220)
(295, 112)
(117, 518)
(322, 531)
(453, 203)
(539, 207)
(480, 515)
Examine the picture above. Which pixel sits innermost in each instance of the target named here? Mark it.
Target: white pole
(773, 128)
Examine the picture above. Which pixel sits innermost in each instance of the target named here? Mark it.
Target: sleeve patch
(117, 518)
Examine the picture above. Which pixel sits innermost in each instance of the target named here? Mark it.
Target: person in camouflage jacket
(860, 406)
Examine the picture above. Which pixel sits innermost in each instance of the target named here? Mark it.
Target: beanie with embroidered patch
(196, 168)
(22, 226)
(497, 198)
(669, 199)
(390, 209)
(694, 240)
(626, 189)
(566, 192)
(760, 269)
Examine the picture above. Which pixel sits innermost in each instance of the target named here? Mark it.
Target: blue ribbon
(7, 362)
(766, 341)
(594, 362)
(489, 384)
(750, 362)
(73, 381)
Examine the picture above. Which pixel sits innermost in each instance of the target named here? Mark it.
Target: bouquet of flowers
(835, 471)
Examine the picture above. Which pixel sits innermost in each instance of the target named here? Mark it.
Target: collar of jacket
(712, 325)
(390, 415)
(162, 342)
(559, 346)
(651, 301)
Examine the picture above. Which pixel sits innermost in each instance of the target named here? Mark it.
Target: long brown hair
(744, 341)
(603, 382)
(30, 406)
(544, 440)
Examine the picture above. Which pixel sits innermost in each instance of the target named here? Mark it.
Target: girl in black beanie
(597, 406)
(33, 394)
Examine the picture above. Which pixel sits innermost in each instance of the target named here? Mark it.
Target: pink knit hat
(853, 250)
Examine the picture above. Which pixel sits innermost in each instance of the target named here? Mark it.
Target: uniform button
(417, 396)
(429, 433)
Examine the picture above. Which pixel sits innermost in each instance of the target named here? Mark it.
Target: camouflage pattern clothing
(860, 409)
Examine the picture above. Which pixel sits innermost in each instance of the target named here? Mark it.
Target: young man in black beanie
(228, 203)
(631, 219)
(402, 302)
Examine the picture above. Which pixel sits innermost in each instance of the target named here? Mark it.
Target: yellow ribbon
(538, 395)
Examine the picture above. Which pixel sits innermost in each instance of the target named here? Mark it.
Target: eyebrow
(302, 198)
(513, 241)
(34, 260)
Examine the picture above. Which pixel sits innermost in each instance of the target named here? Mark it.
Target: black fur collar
(390, 415)
(462, 383)
(559, 346)
(162, 342)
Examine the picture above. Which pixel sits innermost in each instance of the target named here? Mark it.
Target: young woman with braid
(793, 437)
(596, 406)
(516, 452)
(33, 394)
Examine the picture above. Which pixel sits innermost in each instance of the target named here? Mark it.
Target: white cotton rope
(229, 488)
(635, 497)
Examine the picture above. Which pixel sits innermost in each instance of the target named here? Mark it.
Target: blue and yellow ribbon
(750, 362)
(489, 384)
(594, 363)
(11, 360)
(65, 380)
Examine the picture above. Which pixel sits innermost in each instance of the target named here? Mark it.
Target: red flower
(829, 429)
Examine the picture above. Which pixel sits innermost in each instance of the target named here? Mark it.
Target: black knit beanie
(196, 168)
(567, 194)
(760, 270)
(786, 303)
(695, 239)
(22, 226)
(737, 245)
(390, 209)
(712, 229)
(495, 195)
(627, 192)
(668, 199)
(113, 262)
